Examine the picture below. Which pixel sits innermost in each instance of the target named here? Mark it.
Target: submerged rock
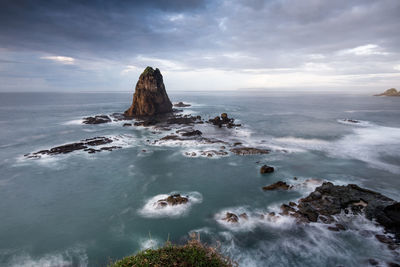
(150, 97)
(350, 120)
(278, 185)
(249, 151)
(181, 105)
(266, 169)
(96, 119)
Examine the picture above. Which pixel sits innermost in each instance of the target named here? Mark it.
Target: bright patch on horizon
(60, 59)
(364, 50)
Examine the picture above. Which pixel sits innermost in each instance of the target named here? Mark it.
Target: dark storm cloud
(84, 25)
(316, 37)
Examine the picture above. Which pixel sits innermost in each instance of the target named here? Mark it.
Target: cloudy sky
(103, 45)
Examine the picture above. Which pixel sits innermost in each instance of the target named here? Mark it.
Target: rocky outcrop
(249, 151)
(150, 97)
(173, 200)
(329, 199)
(181, 105)
(96, 119)
(390, 92)
(85, 145)
(266, 169)
(233, 218)
(223, 120)
(278, 185)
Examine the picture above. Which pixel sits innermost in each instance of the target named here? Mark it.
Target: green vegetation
(194, 253)
(148, 70)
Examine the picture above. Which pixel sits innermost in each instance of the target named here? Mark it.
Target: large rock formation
(390, 92)
(150, 97)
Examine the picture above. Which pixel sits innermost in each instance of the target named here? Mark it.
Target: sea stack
(150, 97)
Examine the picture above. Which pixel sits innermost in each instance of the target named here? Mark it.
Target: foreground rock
(85, 145)
(173, 200)
(266, 169)
(181, 105)
(150, 97)
(328, 200)
(249, 151)
(390, 92)
(96, 119)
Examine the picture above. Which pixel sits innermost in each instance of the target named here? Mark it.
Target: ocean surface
(84, 209)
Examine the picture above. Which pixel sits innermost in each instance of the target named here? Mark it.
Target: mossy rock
(191, 254)
(150, 71)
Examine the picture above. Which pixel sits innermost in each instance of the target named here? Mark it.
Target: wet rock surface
(275, 186)
(328, 200)
(266, 169)
(233, 218)
(98, 119)
(249, 151)
(85, 145)
(173, 200)
(224, 120)
(150, 97)
(181, 105)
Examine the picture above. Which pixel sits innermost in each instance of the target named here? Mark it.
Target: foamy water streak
(368, 144)
(152, 210)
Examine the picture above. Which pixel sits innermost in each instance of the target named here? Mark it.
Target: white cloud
(364, 50)
(129, 68)
(60, 59)
(397, 67)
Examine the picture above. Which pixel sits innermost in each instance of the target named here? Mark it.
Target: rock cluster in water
(181, 105)
(150, 97)
(172, 200)
(85, 145)
(390, 92)
(223, 120)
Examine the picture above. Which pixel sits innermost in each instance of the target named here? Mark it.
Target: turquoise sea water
(85, 209)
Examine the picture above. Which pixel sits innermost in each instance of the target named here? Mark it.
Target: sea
(81, 209)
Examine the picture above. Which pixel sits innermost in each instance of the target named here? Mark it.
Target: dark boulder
(96, 119)
(266, 169)
(278, 185)
(173, 200)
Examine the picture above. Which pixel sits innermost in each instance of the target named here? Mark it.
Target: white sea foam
(255, 218)
(366, 144)
(73, 122)
(152, 210)
(71, 257)
(149, 243)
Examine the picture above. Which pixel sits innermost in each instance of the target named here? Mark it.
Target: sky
(200, 45)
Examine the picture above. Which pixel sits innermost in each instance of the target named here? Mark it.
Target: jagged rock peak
(150, 97)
